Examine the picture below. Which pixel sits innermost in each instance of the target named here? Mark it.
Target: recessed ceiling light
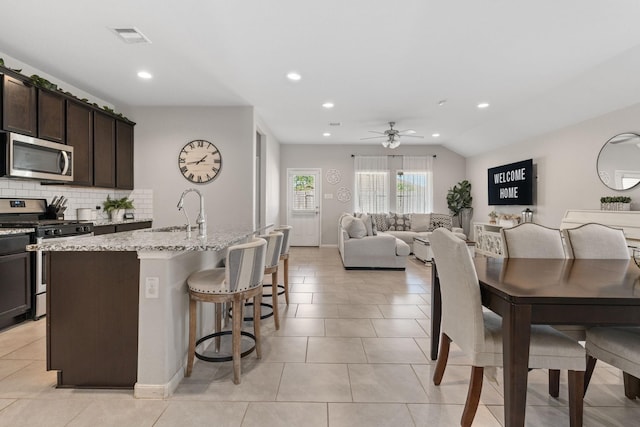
(326, 134)
(483, 105)
(328, 105)
(130, 35)
(294, 76)
(144, 74)
(435, 135)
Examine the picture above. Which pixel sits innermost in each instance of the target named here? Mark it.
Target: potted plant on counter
(116, 207)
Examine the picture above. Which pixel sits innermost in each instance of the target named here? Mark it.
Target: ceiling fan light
(385, 143)
(395, 143)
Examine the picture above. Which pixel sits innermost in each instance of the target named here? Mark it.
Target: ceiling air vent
(130, 35)
(335, 124)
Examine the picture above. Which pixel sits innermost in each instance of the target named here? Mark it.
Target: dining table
(589, 292)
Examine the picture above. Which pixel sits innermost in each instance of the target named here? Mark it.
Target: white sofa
(421, 225)
(365, 250)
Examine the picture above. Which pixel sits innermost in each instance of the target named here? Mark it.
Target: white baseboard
(158, 391)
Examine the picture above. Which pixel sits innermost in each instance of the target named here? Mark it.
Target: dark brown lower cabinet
(92, 319)
(15, 279)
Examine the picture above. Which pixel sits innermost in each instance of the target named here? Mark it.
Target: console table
(628, 221)
(488, 239)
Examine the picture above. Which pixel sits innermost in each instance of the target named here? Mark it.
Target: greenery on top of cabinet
(43, 83)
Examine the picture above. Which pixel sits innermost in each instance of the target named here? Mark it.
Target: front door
(303, 206)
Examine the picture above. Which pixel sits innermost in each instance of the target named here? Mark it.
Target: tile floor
(352, 350)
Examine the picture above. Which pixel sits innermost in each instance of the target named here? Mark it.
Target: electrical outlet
(152, 288)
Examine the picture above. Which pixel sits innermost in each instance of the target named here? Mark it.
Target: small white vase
(117, 215)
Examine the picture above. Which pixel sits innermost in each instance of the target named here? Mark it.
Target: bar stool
(274, 247)
(284, 256)
(239, 280)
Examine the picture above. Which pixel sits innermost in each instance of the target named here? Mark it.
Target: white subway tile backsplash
(78, 197)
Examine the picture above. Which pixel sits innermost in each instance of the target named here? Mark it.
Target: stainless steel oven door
(40, 288)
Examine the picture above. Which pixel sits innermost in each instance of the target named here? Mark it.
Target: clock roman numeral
(184, 169)
(191, 145)
(200, 143)
(208, 177)
(215, 169)
(199, 178)
(217, 161)
(191, 177)
(182, 160)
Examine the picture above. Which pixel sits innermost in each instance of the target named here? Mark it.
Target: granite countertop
(101, 222)
(169, 239)
(9, 231)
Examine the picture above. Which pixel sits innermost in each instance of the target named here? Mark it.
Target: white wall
(160, 134)
(271, 175)
(449, 168)
(566, 168)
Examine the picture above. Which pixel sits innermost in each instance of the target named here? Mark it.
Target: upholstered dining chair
(596, 241)
(479, 333)
(239, 280)
(284, 256)
(530, 240)
(619, 347)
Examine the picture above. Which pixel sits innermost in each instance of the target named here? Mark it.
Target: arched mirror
(619, 162)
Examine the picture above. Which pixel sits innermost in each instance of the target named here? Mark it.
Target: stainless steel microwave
(28, 157)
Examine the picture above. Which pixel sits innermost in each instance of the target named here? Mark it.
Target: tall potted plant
(459, 202)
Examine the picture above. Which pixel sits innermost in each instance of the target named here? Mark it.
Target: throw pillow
(441, 220)
(420, 222)
(399, 222)
(366, 219)
(380, 221)
(354, 226)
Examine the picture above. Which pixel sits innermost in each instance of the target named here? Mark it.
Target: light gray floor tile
(358, 311)
(369, 415)
(300, 327)
(433, 414)
(119, 413)
(405, 299)
(31, 381)
(398, 311)
(398, 328)
(315, 382)
(41, 412)
(349, 328)
(181, 413)
(318, 311)
(393, 350)
(277, 414)
(385, 383)
(284, 349)
(335, 350)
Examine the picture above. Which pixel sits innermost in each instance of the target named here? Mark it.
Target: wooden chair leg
(473, 396)
(441, 364)
(218, 325)
(591, 365)
(192, 337)
(631, 386)
(236, 329)
(576, 398)
(554, 382)
(257, 311)
(286, 280)
(274, 298)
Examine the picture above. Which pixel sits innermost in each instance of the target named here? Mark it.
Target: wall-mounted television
(511, 184)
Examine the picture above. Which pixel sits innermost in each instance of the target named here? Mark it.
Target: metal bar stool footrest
(224, 358)
(280, 292)
(250, 304)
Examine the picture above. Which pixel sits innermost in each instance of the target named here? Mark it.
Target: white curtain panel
(415, 185)
(371, 184)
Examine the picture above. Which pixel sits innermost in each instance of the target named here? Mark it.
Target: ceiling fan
(392, 136)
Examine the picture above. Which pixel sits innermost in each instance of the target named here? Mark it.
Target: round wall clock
(200, 161)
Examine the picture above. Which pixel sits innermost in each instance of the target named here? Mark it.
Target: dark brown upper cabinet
(51, 116)
(104, 150)
(80, 137)
(19, 106)
(124, 155)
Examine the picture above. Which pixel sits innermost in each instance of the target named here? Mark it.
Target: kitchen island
(117, 306)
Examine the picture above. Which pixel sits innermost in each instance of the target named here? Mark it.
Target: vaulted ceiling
(541, 65)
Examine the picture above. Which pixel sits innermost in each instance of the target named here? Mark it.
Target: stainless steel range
(47, 224)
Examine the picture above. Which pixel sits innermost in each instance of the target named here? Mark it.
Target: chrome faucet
(201, 220)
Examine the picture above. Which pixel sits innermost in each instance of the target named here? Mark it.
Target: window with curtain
(371, 184)
(414, 185)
